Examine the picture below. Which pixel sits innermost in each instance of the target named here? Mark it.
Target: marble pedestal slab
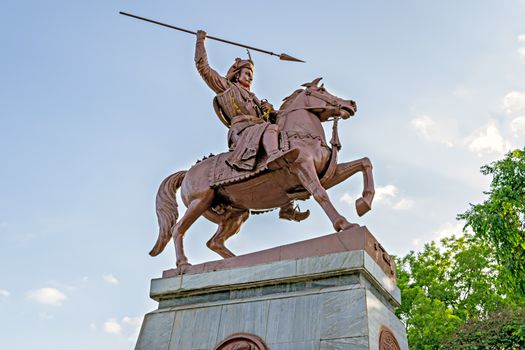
(338, 300)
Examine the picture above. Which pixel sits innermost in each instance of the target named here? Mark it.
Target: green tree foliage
(444, 286)
(500, 219)
(502, 330)
(469, 292)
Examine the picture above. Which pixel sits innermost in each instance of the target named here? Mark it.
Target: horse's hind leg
(197, 206)
(228, 227)
(306, 173)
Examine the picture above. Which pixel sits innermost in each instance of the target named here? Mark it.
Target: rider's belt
(246, 118)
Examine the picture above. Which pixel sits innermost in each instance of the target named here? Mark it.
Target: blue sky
(97, 108)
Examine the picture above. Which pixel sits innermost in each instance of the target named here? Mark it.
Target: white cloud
(521, 49)
(514, 102)
(423, 124)
(111, 279)
(128, 327)
(517, 126)
(64, 286)
(347, 199)
(448, 229)
(404, 204)
(49, 296)
(133, 321)
(387, 194)
(111, 326)
(134, 324)
(4, 293)
(445, 131)
(487, 140)
(92, 326)
(384, 192)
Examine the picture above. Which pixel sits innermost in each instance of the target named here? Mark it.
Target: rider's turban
(237, 66)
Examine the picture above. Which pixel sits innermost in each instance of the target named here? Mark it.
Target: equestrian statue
(275, 157)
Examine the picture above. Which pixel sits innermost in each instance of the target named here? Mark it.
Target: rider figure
(246, 117)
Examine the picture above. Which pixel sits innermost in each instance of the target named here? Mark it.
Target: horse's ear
(313, 83)
(316, 81)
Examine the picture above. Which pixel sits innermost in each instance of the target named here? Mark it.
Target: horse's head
(319, 101)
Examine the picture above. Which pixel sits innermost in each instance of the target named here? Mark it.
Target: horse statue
(228, 200)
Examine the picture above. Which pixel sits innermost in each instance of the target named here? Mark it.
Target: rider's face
(245, 78)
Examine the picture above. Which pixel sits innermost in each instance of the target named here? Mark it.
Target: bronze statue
(225, 196)
(294, 162)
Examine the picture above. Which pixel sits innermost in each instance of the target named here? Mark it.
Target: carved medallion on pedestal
(387, 340)
(242, 341)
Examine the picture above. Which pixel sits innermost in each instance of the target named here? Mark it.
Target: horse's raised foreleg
(306, 173)
(345, 170)
(227, 228)
(197, 206)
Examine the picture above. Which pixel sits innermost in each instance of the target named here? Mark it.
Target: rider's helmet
(237, 66)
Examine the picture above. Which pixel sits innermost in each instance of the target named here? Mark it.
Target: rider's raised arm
(214, 80)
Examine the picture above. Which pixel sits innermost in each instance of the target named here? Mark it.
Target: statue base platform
(333, 292)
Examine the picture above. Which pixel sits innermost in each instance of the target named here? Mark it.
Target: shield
(220, 113)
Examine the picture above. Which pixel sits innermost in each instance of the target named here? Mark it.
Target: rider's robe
(239, 109)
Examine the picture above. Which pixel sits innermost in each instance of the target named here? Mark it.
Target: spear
(282, 56)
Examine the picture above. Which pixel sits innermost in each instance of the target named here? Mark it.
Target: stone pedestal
(332, 292)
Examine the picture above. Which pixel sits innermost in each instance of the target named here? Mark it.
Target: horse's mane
(288, 100)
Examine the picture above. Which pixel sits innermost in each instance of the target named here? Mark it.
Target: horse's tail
(167, 213)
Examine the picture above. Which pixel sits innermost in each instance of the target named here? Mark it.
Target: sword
(282, 56)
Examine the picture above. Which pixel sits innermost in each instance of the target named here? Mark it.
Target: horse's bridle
(335, 142)
(331, 102)
(318, 95)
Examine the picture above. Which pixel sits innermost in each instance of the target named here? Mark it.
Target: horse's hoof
(182, 267)
(183, 263)
(362, 206)
(342, 224)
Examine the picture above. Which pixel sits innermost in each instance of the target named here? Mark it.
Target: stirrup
(295, 214)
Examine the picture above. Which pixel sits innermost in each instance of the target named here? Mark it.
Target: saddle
(223, 174)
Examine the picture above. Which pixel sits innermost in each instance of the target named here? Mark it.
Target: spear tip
(285, 57)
